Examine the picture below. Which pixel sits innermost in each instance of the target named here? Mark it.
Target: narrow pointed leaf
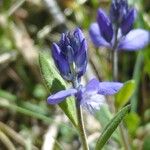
(56, 83)
(111, 127)
(104, 116)
(125, 93)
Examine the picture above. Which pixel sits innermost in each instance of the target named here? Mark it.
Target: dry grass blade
(55, 11)
(51, 135)
(15, 6)
(7, 57)
(14, 135)
(6, 141)
(25, 46)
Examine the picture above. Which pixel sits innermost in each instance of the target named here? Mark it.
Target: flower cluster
(70, 56)
(115, 32)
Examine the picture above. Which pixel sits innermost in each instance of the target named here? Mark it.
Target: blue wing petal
(135, 40)
(60, 96)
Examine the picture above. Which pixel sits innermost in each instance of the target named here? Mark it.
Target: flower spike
(115, 32)
(70, 54)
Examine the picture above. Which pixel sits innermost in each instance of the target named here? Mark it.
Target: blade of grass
(14, 7)
(5, 104)
(137, 77)
(111, 127)
(6, 141)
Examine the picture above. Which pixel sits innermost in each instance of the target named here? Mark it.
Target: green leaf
(132, 121)
(104, 116)
(125, 93)
(111, 127)
(56, 83)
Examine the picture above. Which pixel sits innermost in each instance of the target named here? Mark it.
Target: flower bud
(118, 11)
(70, 54)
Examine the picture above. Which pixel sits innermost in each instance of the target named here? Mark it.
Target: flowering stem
(81, 127)
(115, 57)
(115, 78)
(124, 136)
(115, 65)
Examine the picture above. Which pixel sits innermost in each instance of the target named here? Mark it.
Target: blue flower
(90, 97)
(70, 54)
(118, 11)
(115, 32)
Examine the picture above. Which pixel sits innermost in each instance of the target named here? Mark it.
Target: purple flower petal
(81, 59)
(128, 21)
(61, 43)
(96, 36)
(105, 25)
(118, 10)
(84, 47)
(109, 88)
(79, 34)
(70, 54)
(60, 61)
(92, 86)
(135, 40)
(60, 96)
(55, 51)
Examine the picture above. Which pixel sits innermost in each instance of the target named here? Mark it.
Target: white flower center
(92, 101)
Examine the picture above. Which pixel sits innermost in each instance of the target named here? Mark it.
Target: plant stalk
(124, 137)
(81, 127)
(115, 65)
(115, 57)
(137, 74)
(115, 78)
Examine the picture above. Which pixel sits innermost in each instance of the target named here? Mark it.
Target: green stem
(137, 77)
(115, 57)
(115, 78)
(115, 65)
(124, 137)
(81, 127)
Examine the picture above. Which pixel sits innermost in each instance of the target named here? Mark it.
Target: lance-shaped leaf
(56, 83)
(104, 116)
(125, 93)
(111, 127)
